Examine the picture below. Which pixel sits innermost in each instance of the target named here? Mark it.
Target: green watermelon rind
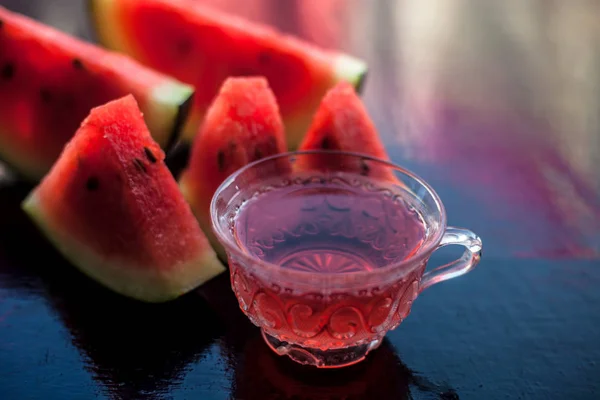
(166, 107)
(205, 225)
(25, 167)
(144, 284)
(95, 17)
(165, 112)
(346, 67)
(351, 69)
(169, 106)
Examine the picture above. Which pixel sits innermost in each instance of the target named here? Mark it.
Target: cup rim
(305, 276)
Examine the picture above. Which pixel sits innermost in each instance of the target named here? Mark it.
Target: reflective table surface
(496, 104)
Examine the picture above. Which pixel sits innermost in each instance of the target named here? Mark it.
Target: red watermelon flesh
(49, 81)
(112, 207)
(342, 123)
(203, 47)
(242, 125)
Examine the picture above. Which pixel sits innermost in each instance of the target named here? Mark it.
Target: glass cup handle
(469, 260)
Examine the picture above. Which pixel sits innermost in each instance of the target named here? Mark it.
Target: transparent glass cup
(332, 319)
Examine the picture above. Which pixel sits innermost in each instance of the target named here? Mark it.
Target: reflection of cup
(319, 317)
(262, 375)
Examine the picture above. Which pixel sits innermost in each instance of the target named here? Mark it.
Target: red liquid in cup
(328, 226)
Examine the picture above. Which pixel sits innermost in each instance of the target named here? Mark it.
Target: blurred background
(502, 95)
(497, 105)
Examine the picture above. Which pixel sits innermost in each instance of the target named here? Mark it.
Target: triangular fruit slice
(242, 125)
(49, 81)
(112, 208)
(203, 47)
(342, 123)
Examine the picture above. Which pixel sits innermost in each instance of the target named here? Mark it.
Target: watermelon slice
(203, 47)
(49, 81)
(112, 208)
(342, 123)
(242, 125)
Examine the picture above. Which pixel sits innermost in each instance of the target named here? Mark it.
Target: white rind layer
(145, 283)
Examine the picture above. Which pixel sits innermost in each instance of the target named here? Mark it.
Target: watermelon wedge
(203, 47)
(342, 123)
(242, 125)
(112, 208)
(49, 81)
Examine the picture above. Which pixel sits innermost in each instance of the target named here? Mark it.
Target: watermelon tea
(327, 251)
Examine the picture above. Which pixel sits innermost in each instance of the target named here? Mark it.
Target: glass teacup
(327, 250)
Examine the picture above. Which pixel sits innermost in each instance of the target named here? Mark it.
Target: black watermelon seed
(272, 143)
(140, 165)
(149, 155)
(77, 64)
(258, 154)
(326, 143)
(92, 184)
(8, 71)
(45, 95)
(1, 24)
(221, 161)
(184, 47)
(364, 168)
(244, 72)
(264, 57)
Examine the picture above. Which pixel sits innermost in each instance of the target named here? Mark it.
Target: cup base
(335, 358)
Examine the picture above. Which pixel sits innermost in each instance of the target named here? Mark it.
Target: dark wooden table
(497, 104)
